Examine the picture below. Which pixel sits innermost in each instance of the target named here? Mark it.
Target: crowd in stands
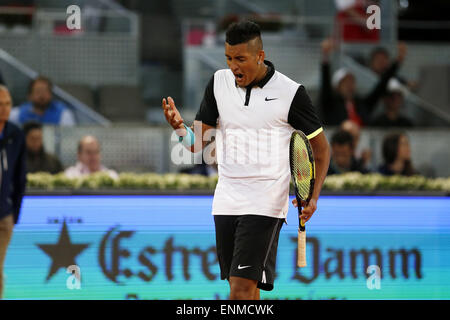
(38, 160)
(22, 20)
(89, 160)
(339, 101)
(339, 105)
(42, 109)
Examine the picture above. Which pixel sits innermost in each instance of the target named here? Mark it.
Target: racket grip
(300, 224)
(301, 249)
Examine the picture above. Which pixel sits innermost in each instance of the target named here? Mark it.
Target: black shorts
(247, 247)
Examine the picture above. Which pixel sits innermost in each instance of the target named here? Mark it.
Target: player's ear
(261, 57)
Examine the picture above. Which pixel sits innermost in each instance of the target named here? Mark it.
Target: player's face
(242, 60)
(5, 105)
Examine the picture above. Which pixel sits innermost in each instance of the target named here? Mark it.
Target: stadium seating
(121, 103)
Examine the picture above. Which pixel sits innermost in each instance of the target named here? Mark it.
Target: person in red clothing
(351, 20)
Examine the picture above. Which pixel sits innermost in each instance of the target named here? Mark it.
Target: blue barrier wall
(163, 247)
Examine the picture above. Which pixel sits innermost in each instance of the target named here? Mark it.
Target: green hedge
(349, 181)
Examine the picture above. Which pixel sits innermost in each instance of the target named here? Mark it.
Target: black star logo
(62, 253)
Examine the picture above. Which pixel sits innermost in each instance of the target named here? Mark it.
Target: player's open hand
(308, 209)
(173, 116)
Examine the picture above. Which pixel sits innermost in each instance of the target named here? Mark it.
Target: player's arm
(321, 153)
(194, 133)
(206, 118)
(302, 116)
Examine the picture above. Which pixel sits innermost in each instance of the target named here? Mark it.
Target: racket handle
(301, 250)
(301, 225)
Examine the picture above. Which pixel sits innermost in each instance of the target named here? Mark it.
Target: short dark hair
(242, 32)
(40, 78)
(390, 146)
(342, 137)
(31, 125)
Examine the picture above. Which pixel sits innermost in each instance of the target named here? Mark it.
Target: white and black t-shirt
(254, 127)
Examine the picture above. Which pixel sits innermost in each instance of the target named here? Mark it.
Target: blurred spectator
(365, 155)
(23, 16)
(393, 103)
(12, 176)
(42, 107)
(380, 60)
(338, 98)
(89, 160)
(342, 158)
(37, 159)
(351, 21)
(396, 155)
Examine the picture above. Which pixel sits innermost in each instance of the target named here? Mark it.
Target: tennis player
(251, 105)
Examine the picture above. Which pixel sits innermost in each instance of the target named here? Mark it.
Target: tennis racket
(302, 172)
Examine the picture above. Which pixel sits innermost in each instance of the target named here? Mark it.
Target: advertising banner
(163, 247)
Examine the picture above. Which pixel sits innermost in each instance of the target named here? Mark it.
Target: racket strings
(302, 171)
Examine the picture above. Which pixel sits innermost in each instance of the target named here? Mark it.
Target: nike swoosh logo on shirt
(243, 267)
(267, 99)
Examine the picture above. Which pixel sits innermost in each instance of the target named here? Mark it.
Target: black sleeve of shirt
(208, 112)
(302, 114)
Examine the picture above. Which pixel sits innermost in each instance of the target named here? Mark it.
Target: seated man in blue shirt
(41, 107)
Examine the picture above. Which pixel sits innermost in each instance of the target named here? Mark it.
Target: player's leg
(253, 265)
(242, 289)
(225, 229)
(256, 296)
(6, 228)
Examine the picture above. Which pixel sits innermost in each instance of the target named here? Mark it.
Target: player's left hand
(308, 208)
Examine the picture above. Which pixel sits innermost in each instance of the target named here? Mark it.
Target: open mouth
(239, 76)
